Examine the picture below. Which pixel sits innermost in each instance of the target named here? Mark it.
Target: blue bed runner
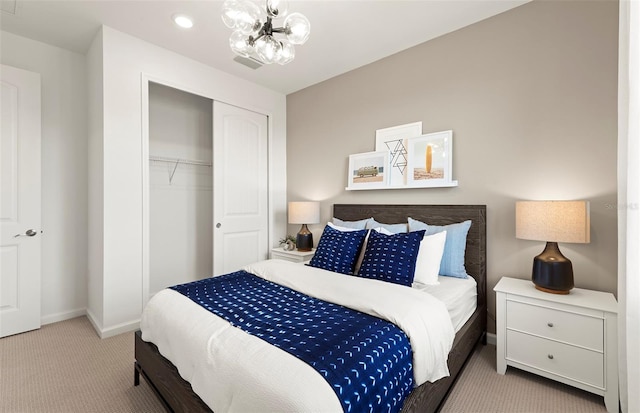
(366, 360)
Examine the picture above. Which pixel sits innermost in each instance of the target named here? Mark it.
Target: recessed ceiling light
(183, 21)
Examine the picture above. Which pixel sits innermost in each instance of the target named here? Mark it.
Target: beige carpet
(65, 367)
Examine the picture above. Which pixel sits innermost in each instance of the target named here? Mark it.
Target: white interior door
(20, 240)
(240, 188)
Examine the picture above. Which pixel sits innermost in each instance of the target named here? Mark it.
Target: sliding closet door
(240, 182)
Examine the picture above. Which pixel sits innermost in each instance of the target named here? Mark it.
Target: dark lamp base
(304, 239)
(547, 290)
(552, 271)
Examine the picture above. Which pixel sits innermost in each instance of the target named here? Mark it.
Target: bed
(177, 394)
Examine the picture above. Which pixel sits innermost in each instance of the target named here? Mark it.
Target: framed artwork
(430, 160)
(394, 141)
(368, 170)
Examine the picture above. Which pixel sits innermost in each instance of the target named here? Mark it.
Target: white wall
(64, 171)
(126, 60)
(95, 289)
(180, 197)
(628, 205)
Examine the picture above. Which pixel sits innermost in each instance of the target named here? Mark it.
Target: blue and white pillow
(337, 251)
(361, 254)
(391, 258)
(452, 263)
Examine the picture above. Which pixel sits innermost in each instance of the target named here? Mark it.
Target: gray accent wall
(531, 97)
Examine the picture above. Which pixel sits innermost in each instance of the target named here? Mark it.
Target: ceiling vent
(248, 61)
(8, 6)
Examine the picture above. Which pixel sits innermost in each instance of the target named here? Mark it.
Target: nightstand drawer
(562, 359)
(580, 330)
(293, 256)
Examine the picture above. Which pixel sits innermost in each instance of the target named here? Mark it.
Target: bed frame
(177, 396)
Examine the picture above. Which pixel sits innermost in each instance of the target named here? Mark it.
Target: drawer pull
(550, 356)
(550, 324)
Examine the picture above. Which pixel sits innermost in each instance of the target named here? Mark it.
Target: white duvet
(233, 371)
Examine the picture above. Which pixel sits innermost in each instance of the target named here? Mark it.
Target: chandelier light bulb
(268, 49)
(248, 20)
(287, 53)
(239, 44)
(277, 8)
(297, 28)
(231, 10)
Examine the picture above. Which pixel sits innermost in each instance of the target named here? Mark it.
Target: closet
(207, 188)
(180, 187)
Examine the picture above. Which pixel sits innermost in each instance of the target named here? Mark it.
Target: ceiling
(344, 34)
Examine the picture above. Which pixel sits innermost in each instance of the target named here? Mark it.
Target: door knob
(218, 225)
(29, 233)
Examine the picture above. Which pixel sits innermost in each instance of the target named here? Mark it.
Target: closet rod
(178, 160)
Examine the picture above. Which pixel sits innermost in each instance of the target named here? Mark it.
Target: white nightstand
(568, 338)
(293, 256)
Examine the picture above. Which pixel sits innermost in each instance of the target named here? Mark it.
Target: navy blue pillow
(338, 251)
(391, 258)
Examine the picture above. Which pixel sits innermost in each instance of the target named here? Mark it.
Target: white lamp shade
(553, 221)
(304, 212)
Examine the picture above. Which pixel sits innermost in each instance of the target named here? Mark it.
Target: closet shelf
(178, 161)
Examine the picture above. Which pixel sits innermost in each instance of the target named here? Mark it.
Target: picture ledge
(431, 185)
(404, 158)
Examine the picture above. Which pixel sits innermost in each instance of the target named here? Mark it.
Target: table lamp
(553, 222)
(304, 213)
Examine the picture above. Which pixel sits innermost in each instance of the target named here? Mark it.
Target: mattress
(460, 296)
(235, 371)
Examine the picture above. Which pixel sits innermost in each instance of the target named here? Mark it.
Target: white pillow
(429, 257)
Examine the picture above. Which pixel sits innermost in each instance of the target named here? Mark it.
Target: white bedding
(234, 371)
(459, 295)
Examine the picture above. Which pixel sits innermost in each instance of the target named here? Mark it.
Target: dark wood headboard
(476, 250)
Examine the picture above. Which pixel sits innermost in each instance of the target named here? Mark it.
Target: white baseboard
(491, 339)
(67, 315)
(114, 330)
(120, 328)
(96, 325)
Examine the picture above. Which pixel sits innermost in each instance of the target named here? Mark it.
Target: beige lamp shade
(304, 212)
(553, 221)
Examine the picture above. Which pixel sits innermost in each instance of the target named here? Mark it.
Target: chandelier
(254, 34)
